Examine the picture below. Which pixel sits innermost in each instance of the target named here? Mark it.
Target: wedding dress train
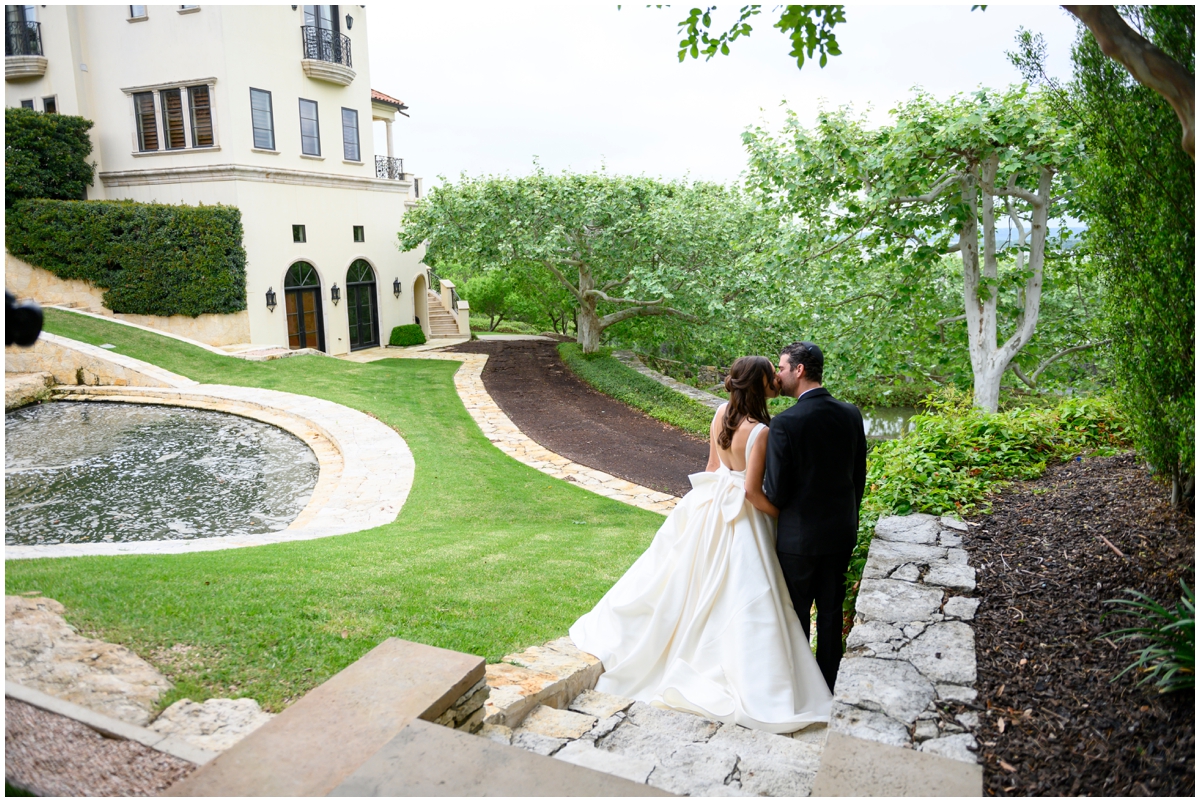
(702, 622)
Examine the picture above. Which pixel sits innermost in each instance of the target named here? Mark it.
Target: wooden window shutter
(202, 130)
(147, 127)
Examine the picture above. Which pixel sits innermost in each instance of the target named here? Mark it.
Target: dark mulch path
(1044, 670)
(553, 407)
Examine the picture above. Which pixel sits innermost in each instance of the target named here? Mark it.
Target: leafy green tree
(941, 171)
(45, 156)
(491, 295)
(1136, 193)
(621, 247)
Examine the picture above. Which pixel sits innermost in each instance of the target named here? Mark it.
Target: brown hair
(747, 395)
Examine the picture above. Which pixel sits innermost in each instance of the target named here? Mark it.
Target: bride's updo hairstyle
(747, 395)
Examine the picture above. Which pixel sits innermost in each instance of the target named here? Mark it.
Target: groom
(815, 474)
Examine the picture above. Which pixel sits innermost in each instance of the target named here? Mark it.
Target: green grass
(607, 374)
(488, 556)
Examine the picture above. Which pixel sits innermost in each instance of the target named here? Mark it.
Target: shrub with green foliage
(149, 258)
(45, 156)
(955, 454)
(607, 374)
(407, 335)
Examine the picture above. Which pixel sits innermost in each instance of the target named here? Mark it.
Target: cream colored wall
(240, 47)
(328, 214)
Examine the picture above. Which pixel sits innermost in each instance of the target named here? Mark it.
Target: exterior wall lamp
(396, 287)
(335, 294)
(271, 299)
(349, 22)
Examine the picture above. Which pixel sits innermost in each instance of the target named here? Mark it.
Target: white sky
(492, 85)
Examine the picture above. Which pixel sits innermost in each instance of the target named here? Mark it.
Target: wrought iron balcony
(322, 44)
(387, 167)
(23, 39)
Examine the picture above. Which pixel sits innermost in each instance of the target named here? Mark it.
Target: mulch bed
(554, 408)
(1053, 723)
(50, 755)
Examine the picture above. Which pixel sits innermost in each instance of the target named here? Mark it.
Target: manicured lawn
(487, 557)
(617, 380)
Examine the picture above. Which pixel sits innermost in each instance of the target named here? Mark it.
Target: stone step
(321, 740)
(552, 675)
(670, 750)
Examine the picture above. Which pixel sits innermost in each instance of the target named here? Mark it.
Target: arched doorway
(362, 306)
(421, 302)
(302, 296)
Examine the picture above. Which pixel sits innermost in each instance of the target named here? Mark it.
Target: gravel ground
(50, 755)
(1051, 552)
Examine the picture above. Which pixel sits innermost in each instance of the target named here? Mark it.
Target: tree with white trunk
(941, 178)
(622, 247)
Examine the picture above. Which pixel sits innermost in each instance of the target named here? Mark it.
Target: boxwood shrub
(407, 335)
(45, 156)
(149, 258)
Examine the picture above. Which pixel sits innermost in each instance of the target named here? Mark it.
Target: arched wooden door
(362, 306)
(302, 296)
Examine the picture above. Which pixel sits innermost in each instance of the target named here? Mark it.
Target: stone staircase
(442, 324)
(543, 701)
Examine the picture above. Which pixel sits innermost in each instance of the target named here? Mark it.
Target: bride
(702, 622)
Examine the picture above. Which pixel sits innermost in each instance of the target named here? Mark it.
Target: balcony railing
(323, 44)
(387, 167)
(23, 39)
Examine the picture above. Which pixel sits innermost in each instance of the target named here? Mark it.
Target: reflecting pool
(99, 472)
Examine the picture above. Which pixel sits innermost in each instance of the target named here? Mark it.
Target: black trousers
(820, 578)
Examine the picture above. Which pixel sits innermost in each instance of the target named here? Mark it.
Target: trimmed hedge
(151, 259)
(407, 335)
(45, 156)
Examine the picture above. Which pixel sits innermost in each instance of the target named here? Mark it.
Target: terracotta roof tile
(380, 97)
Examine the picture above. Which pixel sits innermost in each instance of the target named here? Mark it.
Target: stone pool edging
(366, 468)
(908, 676)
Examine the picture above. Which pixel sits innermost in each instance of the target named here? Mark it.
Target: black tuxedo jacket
(816, 472)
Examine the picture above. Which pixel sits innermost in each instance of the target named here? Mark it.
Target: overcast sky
(491, 86)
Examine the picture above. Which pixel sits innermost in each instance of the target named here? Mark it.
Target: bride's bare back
(734, 457)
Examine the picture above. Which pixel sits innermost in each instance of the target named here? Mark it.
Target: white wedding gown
(703, 622)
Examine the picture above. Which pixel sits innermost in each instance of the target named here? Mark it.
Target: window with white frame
(137, 12)
(350, 135)
(169, 118)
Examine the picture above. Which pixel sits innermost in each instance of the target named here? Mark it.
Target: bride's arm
(754, 477)
(714, 461)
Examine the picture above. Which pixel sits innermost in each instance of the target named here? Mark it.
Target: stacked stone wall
(909, 673)
(467, 711)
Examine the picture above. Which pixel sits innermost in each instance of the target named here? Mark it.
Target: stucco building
(266, 108)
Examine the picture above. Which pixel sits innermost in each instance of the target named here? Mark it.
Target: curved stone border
(909, 670)
(630, 359)
(504, 434)
(366, 468)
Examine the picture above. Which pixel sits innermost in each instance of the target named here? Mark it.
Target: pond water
(99, 472)
(887, 423)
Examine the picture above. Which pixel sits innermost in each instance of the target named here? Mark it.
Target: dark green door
(362, 306)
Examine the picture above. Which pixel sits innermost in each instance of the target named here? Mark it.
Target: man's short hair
(810, 356)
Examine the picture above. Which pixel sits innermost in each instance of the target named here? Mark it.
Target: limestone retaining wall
(26, 281)
(909, 673)
(71, 362)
